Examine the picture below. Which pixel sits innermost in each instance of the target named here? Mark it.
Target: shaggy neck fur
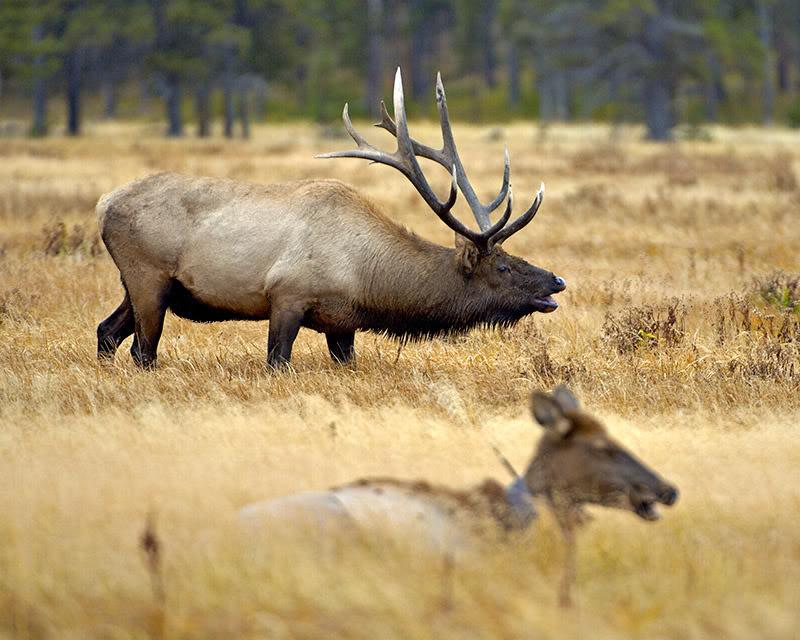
(416, 289)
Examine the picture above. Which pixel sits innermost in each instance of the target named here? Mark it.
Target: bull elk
(575, 463)
(315, 254)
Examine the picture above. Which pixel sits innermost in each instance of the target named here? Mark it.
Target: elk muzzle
(643, 499)
(547, 304)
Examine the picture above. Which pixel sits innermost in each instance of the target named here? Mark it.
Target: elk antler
(404, 159)
(447, 156)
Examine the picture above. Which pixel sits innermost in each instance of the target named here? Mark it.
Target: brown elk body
(575, 463)
(313, 254)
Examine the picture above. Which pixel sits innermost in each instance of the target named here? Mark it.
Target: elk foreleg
(114, 329)
(568, 527)
(340, 346)
(283, 327)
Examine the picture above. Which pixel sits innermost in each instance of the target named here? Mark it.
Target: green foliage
(793, 113)
(781, 291)
(607, 55)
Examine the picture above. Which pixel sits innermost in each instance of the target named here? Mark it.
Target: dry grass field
(680, 328)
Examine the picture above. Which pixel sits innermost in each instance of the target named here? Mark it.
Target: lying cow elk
(576, 463)
(315, 254)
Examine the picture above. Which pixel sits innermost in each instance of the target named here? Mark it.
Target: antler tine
(365, 149)
(480, 211)
(421, 150)
(449, 143)
(523, 220)
(504, 189)
(404, 145)
(448, 156)
(404, 159)
(484, 240)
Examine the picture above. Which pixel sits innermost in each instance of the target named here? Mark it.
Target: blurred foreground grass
(679, 327)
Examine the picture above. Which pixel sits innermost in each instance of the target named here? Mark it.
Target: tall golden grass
(680, 327)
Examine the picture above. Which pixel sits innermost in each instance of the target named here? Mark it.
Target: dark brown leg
(114, 329)
(283, 328)
(149, 301)
(340, 346)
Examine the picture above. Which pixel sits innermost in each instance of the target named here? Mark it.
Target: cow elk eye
(502, 268)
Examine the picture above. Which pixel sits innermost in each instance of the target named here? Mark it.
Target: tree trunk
(39, 124)
(715, 89)
(374, 14)
(783, 71)
(797, 50)
(546, 101)
(658, 109)
(202, 109)
(420, 40)
(489, 57)
(145, 97)
(72, 72)
(767, 83)
(228, 112)
(302, 39)
(658, 87)
(173, 99)
(244, 111)
(260, 100)
(109, 92)
(513, 74)
(561, 95)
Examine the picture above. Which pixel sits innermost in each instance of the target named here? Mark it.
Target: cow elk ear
(564, 398)
(548, 412)
(467, 254)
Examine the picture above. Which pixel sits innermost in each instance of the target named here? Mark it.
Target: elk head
(479, 254)
(578, 463)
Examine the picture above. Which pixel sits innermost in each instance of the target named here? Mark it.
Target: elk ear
(548, 412)
(564, 398)
(467, 254)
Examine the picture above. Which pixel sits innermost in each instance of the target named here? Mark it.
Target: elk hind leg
(114, 329)
(340, 346)
(149, 297)
(284, 325)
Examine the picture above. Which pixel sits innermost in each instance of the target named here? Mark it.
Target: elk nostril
(669, 496)
(560, 283)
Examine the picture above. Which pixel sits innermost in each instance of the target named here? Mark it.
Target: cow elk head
(578, 463)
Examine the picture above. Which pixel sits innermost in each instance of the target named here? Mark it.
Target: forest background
(660, 62)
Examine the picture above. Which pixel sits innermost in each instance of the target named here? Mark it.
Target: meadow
(679, 328)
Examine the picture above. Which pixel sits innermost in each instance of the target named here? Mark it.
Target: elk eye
(502, 268)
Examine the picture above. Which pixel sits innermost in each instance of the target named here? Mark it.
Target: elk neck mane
(414, 289)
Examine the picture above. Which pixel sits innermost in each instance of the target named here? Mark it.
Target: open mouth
(645, 509)
(545, 304)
